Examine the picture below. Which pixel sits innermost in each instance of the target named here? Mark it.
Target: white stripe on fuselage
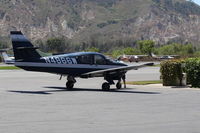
(50, 65)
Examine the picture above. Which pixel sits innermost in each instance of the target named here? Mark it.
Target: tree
(176, 48)
(165, 50)
(3, 45)
(92, 49)
(42, 46)
(56, 45)
(131, 51)
(116, 53)
(146, 46)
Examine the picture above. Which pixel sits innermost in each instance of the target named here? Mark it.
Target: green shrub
(192, 68)
(177, 49)
(92, 49)
(171, 71)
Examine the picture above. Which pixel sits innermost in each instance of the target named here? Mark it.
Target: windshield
(111, 60)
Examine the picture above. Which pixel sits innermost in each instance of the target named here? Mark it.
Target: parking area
(38, 102)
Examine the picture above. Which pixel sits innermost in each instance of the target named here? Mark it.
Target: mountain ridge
(163, 21)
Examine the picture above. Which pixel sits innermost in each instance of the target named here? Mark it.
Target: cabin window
(99, 60)
(84, 59)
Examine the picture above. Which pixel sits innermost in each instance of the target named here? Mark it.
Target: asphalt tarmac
(38, 102)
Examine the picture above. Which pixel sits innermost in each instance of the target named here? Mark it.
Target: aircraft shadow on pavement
(61, 89)
(31, 92)
(44, 92)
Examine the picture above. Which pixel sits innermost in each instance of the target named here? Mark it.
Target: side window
(99, 60)
(84, 59)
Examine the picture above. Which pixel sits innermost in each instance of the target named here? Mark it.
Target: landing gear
(110, 81)
(105, 86)
(70, 83)
(118, 85)
(124, 80)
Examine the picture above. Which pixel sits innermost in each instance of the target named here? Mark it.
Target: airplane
(72, 65)
(131, 58)
(6, 58)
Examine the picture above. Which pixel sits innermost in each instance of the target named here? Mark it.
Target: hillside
(80, 20)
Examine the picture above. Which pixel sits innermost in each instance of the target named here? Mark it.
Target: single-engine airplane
(73, 65)
(7, 59)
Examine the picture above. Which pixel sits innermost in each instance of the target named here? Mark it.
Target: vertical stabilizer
(23, 49)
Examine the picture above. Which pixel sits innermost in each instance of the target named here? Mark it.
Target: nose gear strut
(70, 82)
(124, 80)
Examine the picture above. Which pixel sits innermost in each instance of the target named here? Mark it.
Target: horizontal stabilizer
(27, 48)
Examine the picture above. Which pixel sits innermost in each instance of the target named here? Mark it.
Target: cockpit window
(99, 60)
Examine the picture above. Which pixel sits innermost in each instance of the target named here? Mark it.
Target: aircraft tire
(105, 86)
(118, 85)
(69, 85)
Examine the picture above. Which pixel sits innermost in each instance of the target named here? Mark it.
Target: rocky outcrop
(160, 20)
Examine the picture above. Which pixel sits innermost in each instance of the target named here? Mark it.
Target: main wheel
(119, 85)
(69, 85)
(105, 86)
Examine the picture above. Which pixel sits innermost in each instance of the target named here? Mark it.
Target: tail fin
(23, 49)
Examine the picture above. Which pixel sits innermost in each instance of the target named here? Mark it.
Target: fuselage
(74, 64)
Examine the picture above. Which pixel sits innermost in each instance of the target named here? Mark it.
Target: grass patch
(9, 68)
(157, 65)
(144, 82)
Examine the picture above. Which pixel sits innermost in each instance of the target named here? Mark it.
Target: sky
(197, 1)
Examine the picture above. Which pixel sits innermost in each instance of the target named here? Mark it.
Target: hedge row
(173, 70)
(192, 68)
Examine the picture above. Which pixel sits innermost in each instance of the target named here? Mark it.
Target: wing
(123, 69)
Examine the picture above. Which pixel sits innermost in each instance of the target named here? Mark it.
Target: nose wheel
(70, 82)
(69, 85)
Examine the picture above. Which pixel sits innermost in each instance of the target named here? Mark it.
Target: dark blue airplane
(80, 64)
